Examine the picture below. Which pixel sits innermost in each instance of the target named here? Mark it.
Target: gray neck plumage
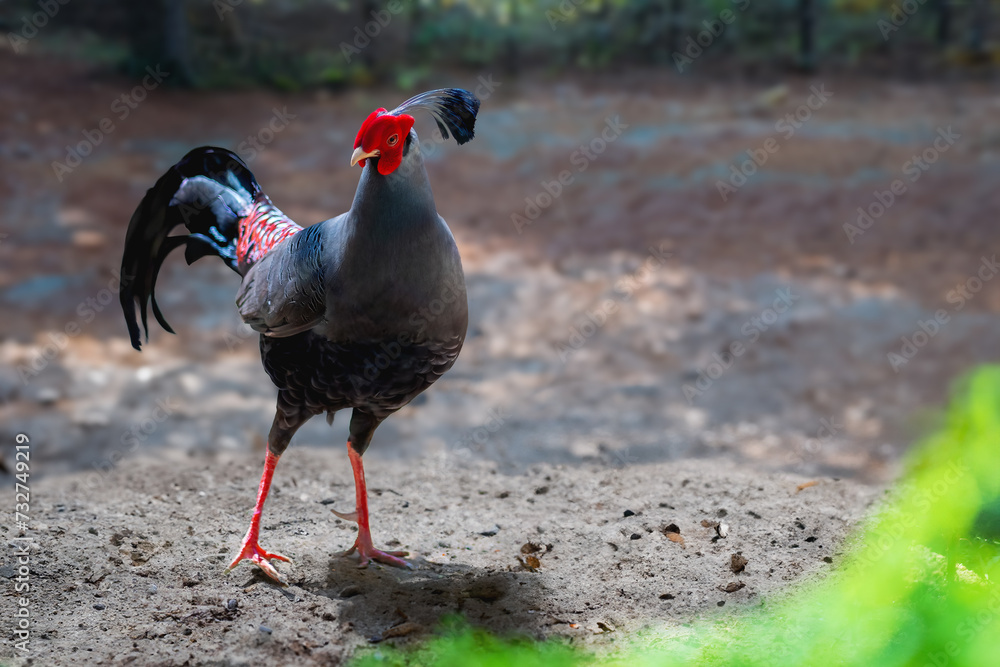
(400, 200)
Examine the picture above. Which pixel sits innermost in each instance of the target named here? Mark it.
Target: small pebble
(629, 513)
(232, 605)
(152, 589)
(99, 607)
(636, 536)
(491, 531)
(92, 530)
(266, 630)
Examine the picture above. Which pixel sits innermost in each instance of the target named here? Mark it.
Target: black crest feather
(453, 109)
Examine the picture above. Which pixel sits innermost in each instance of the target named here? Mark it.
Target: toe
(254, 554)
(236, 561)
(266, 567)
(277, 556)
(260, 559)
(391, 558)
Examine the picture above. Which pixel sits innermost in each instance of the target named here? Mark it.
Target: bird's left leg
(277, 441)
(362, 429)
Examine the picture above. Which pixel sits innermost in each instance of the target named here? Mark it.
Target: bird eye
(393, 139)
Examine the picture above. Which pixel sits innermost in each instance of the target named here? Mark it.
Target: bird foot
(368, 553)
(253, 552)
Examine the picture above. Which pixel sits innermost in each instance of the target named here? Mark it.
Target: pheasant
(362, 311)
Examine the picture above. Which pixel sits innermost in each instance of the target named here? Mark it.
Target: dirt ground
(129, 568)
(618, 404)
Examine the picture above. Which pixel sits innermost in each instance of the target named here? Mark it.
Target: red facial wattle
(382, 135)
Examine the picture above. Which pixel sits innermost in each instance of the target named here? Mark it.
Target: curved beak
(360, 154)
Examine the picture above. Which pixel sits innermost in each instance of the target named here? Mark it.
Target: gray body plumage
(361, 311)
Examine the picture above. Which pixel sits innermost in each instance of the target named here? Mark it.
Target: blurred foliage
(921, 585)
(462, 646)
(305, 43)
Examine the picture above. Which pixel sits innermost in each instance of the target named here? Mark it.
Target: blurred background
(759, 230)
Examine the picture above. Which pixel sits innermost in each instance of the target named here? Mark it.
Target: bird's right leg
(363, 426)
(277, 441)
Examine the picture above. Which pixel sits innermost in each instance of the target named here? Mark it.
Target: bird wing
(284, 293)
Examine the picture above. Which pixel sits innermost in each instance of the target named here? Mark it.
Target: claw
(347, 516)
(367, 553)
(386, 557)
(253, 552)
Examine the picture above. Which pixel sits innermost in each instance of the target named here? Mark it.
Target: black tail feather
(168, 246)
(210, 210)
(453, 109)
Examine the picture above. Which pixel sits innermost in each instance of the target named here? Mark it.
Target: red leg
(363, 545)
(251, 550)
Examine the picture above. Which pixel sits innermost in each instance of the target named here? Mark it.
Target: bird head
(384, 134)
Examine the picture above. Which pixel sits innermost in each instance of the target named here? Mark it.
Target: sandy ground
(553, 382)
(129, 567)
